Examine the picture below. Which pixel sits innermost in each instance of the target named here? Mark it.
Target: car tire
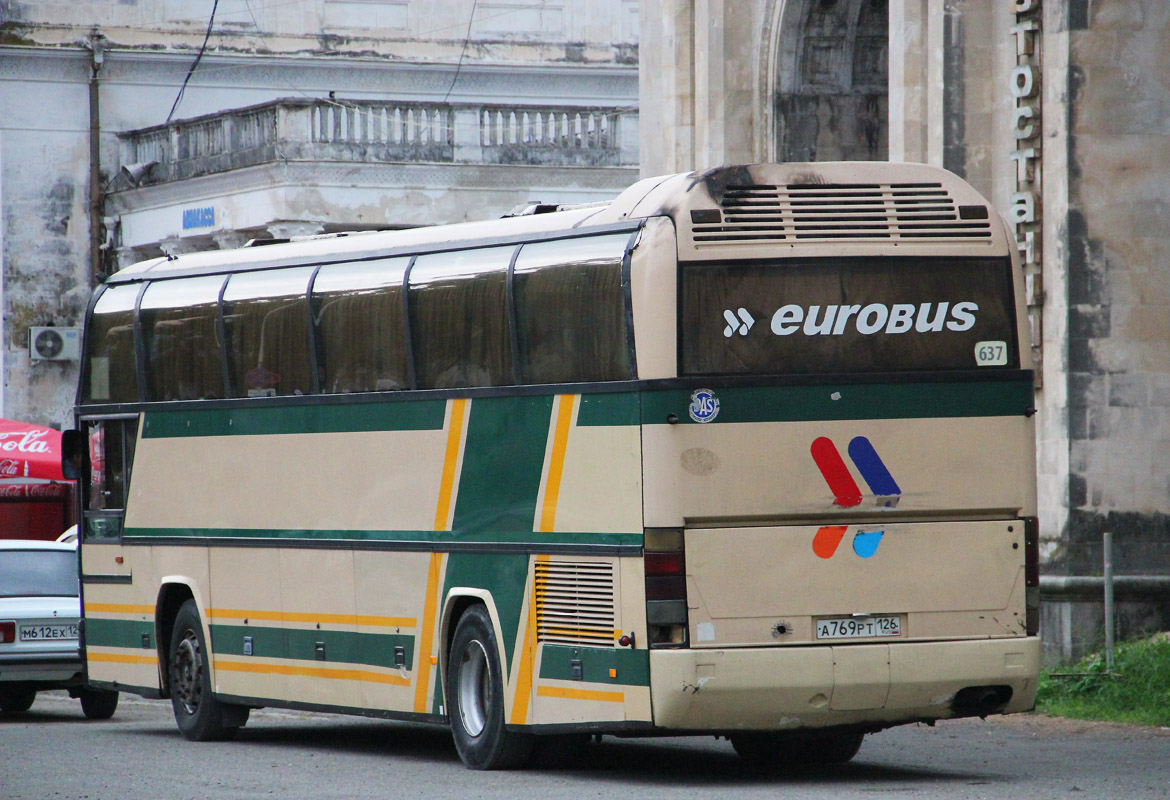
(200, 716)
(475, 698)
(98, 703)
(16, 702)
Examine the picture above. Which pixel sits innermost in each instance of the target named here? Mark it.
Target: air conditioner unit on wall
(54, 344)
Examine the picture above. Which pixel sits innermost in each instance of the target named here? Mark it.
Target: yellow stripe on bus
(310, 672)
(120, 658)
(427, 634)
(450, 463)
(117, 608)
(581, 694)
(296, 616)
(556, 464)
(583, 633)
(527, 657)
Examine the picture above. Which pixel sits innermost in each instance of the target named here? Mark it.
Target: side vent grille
(834, 212)
(575, 602)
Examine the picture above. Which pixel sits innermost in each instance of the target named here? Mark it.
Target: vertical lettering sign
(1025, 209)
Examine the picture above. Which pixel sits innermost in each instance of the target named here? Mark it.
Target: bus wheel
(475, 698)
(16, 702)
(201, 718)
(98, 703)
(833, 748)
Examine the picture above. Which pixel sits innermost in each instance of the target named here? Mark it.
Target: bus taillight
(666, 588)
(1032, 575)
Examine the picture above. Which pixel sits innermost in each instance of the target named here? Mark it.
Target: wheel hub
(187, 672)
(475, 687)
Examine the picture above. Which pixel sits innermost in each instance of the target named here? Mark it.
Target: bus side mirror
(72, 454)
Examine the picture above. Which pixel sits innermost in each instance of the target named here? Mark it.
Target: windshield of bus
(847, 315)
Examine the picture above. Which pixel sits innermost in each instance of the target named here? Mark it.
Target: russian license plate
(859, 627)
(37, 633)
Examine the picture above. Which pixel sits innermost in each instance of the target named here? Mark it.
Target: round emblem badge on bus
(704, 405)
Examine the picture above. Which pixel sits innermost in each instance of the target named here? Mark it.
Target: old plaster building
(270, 119)
(1056, 110)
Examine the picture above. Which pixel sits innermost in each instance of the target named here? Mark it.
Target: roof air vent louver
(882, 212)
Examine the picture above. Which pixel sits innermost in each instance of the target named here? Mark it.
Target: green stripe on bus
(505, 577)
(632, 666)
(345, 647)
(419, 415)
(502, 462)
(119, 633)
(609, 409)
(849, 401)
(427, 539)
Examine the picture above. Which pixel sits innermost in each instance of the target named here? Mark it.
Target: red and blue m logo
(846, 492)
(873, 470)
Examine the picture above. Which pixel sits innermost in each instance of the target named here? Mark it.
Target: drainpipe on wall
(97, 44)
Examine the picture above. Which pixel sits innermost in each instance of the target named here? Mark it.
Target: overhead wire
(198, 58)
(252, 6)
(462, 50)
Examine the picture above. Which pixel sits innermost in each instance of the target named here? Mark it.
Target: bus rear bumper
(864, 684)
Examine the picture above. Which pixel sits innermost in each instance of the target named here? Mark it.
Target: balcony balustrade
(373, 131)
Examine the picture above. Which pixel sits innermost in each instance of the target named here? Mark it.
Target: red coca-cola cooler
(36, 500)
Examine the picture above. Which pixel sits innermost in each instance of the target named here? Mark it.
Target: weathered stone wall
(414, 31)
(44, 228)
(1119, 285)
(403, 49)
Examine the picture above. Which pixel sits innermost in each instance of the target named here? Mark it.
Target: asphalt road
(53, 753)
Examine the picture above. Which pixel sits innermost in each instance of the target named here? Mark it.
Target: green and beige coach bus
(746, 453)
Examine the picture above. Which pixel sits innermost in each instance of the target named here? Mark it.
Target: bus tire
(781, 750)
(16, 702)
(475, 698)
(833, 748)
(98, 703)
(199, 715)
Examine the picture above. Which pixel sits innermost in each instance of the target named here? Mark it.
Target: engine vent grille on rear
(575, 602)
(833, 212)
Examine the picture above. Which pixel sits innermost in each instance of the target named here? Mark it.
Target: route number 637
(991, 354)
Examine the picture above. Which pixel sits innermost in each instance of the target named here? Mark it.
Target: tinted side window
(266, 321)
(361, 341)
(182, 345)
(571, 311)
(111, 374)
(106, 483)
(459, 319)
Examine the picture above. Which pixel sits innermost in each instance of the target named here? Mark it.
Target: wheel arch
(458, 600)
(174, 590)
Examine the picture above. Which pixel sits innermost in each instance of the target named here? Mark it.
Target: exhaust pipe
(980, 701)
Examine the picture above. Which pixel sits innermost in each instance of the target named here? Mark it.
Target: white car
(39, 614)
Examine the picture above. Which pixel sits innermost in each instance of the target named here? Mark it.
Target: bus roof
(668, 195)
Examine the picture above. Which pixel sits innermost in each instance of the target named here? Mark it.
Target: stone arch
(827, 74)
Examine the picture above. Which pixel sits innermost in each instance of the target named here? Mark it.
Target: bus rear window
(846, 315)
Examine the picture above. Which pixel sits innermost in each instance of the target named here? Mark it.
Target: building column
(291, 230)
(916, 81)
(177, 246)
(666, 86)
(230, 240)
